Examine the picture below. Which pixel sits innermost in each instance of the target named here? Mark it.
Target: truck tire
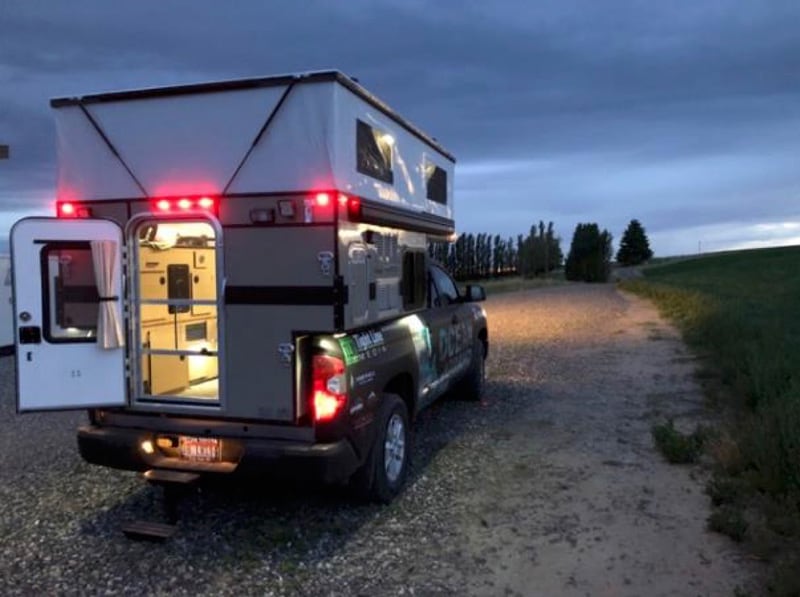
(471, 385)
(384, 472)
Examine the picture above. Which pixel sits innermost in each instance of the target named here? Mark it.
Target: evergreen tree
(634, 248)
(589, 258)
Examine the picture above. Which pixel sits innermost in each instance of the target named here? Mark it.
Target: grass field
(513, 283)
(740, 311)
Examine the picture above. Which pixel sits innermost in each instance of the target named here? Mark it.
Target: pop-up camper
(237, 280)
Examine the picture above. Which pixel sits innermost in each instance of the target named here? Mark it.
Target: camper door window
(374, 152)
(70, 296)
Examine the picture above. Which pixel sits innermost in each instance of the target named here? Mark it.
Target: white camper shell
(208, 233)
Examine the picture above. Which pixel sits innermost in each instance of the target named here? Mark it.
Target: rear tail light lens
(328, 393)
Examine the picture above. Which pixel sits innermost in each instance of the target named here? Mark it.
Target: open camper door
(68, 315)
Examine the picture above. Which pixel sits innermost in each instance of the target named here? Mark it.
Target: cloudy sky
(684, 115)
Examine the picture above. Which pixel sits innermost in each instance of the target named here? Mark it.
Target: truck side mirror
(475, 293)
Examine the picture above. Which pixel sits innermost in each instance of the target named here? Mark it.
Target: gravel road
(550, 486)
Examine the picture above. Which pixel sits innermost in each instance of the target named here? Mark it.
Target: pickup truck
(367, 388)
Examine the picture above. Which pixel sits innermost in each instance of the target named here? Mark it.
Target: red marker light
(342, 200)
(66, 210)
(206, 202)
(163, 205)
(184, 203)
(354, 208)
(323, 199)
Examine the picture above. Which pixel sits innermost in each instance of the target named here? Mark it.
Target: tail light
(328, 396)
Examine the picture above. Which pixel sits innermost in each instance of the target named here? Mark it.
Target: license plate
(201, 449)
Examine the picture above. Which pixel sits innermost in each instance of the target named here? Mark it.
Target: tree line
(479, 256)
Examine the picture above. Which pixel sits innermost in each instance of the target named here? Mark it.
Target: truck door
(451, 332)
(68, 317)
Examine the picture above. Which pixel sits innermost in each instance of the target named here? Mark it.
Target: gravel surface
(550, 486)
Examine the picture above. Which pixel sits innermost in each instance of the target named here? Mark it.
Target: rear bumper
(119, 447)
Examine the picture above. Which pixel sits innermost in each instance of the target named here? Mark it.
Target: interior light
(323, 199)
(387, 139)
(163, 205)
(184, 203)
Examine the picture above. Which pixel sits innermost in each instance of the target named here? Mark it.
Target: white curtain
(109, 324)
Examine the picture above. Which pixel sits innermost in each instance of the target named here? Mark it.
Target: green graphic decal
(350, 351)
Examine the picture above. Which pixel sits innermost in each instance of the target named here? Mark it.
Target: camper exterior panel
(296, 151)
(410, 156)
(260, 373)
(87, 167)
(260, 258)
(188, 144)
(371, 263)
(299, 135)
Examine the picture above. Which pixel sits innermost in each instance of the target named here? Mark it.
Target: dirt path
(579, 502)
(550, 486)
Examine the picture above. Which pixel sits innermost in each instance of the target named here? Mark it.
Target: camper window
(70, 293)
(414, 280)
(374, 152)
(436, 183)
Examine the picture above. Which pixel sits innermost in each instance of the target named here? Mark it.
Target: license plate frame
(200, 449)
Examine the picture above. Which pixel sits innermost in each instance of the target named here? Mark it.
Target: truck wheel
(384, 472)
(471, 385)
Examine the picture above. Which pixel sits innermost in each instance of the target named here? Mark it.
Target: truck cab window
(446, 288)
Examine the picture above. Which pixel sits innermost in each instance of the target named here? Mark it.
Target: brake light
(328, 395)
(323, 199)
(186, 204)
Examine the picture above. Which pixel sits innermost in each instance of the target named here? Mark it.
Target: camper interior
(175, 306)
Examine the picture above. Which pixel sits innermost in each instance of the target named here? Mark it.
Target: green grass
(740, 311)
(514, 283)
(677, 447)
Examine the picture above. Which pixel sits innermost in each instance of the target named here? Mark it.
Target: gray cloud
(677, 114)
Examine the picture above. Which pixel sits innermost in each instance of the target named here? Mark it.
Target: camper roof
(253, 83)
